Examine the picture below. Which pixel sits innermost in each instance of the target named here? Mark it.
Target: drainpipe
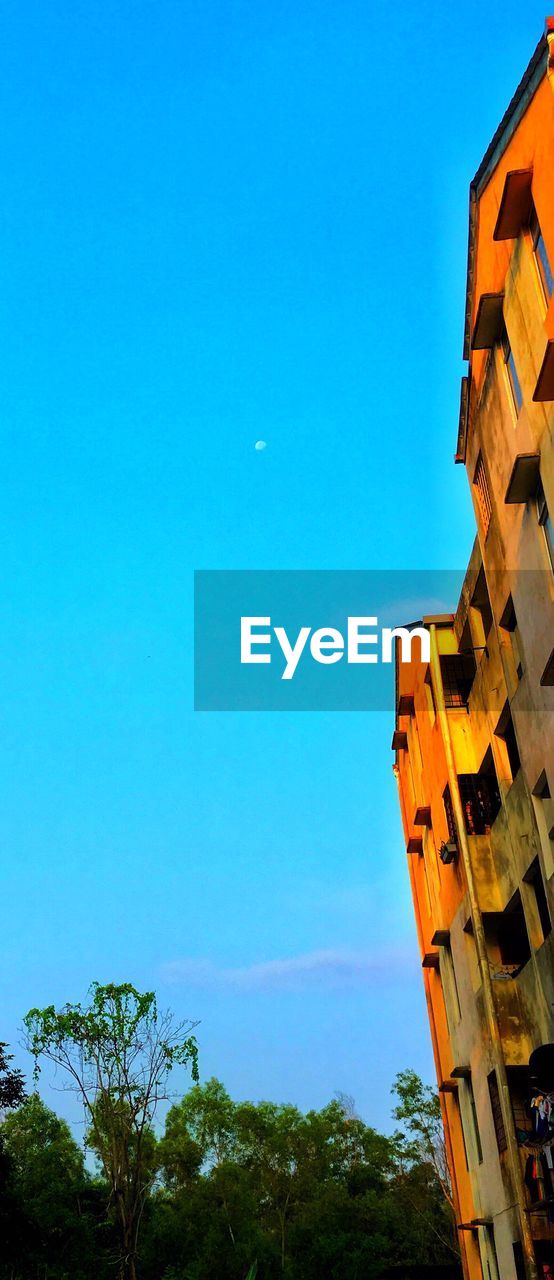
(483, 963)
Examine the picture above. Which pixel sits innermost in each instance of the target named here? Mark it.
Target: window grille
(496, 1108)
(458, 674)
(483, 495)
(480, 799)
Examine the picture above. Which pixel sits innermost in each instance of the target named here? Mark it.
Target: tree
(201, 1133)
(269, 1139)
(46, 1190)
(419, 1108)
(12, 1095)
(12, 1083)
(201, 1127)
(118, 1052)
(301, 1193)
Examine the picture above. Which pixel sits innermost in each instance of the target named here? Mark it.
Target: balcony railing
(481, 802)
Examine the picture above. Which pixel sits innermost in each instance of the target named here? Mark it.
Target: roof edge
(526, 89)
(516, 108)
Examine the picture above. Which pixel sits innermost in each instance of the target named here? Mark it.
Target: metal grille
(482, 490)
(458, 673)
(480, 802)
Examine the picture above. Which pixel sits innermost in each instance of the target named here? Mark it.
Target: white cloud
(321, 970)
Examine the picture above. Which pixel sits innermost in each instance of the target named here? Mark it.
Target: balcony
(458, 673)
(480, 797)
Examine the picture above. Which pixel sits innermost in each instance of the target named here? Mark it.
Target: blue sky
(224, 222)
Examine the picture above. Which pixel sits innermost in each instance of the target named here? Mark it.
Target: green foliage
(419, 1107)
(310, 1196)
(199, 1130)
(47, 1198)
(118, 1022)
(12, 1084)
(420, 1155)
(118, 1053)
(233, 1190)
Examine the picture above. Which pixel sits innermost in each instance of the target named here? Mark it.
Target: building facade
(474, 738)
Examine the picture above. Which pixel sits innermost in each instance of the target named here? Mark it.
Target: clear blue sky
(224, 220)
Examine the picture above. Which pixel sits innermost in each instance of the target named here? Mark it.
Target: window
(518, 1085)
(541, 256)
(508, 622)
(430, 696)
(513, 939)
(456, 1105)
(426, 887)
(471, 955)
(480, 603)
(480, 797)
(473, 1112)
(480, 484)
(507, 938)
(533, 877)
(544, 812)
(458, 674)
(449, 814)
(506, 732)
(511, 372)
(453, 998)
(521, 1273)
(492, 1259)
(544, 1254)
(545, 520)
(520, 1092)
(498, 1119)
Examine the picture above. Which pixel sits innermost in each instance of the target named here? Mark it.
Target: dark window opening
(451, 969)
(456, 1102)
(505, 730)
(518, 1259)
(544, 1254)
(507, 937)
(449, 813)
(508, 622)
(493, 1271)
(496, 1108)
(518, 1086)
(458, 673)
(544, 809)
(542, 789)
(480, 797)
(545, 521)
(481, 602)
(534, 878)
(520, 1094)
(473, 1109)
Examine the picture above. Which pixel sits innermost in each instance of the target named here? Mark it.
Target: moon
(260, 444)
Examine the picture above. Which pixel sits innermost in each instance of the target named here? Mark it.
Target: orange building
(474, 735)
